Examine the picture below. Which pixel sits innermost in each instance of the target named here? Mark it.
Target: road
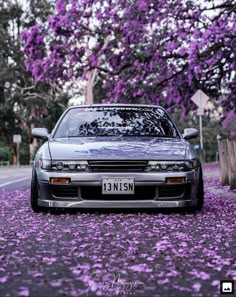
(116, 253)
(15, 178)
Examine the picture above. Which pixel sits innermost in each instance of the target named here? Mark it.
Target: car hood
(105, 148)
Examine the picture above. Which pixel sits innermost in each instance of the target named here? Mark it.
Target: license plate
(118, 186)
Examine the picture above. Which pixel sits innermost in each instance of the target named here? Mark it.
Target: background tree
(23, 102)
(146, 51)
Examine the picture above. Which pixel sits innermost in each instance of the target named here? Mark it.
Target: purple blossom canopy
(158, 51)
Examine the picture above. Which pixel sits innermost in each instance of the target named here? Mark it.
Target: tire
(35, 194)
(200, 203)
(200, 195)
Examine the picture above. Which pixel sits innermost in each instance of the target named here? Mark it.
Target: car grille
(95, 193)
(64, 191)
(118, 166)
(173, 191)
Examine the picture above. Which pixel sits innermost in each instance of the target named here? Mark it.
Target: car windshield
(116, 121)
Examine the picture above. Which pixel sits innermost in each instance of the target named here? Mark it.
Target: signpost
(200, 99)
(17, 140)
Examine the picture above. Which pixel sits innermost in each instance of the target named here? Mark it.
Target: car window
(116, 121)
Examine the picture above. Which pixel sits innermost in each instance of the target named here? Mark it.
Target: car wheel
(200, 195)
(35, 194)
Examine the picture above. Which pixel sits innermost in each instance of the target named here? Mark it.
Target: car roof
(116, 104)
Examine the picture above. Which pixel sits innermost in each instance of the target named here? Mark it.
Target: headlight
(63, 165)
(191, 164)
(70, 165)
(45, 164)
(59, 165)
(172, 165)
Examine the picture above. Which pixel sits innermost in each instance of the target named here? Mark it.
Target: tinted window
(116, 121)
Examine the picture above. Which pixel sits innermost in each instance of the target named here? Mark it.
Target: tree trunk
(224, 164)
(231, 149)
(14, 156)
(89, 88)
(93, 77)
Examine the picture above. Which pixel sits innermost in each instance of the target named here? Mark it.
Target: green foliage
(5, 154)
(54, 111)
(211, 128)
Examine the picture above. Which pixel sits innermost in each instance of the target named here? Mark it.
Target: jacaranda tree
(151, 51)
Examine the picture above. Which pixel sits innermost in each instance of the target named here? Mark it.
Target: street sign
(200, 111)
(200, 99)
(17, 138)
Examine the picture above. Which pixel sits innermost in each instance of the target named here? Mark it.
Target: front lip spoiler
(116, 204)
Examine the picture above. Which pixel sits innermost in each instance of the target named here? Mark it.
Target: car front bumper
(47, 197)
(116, 204)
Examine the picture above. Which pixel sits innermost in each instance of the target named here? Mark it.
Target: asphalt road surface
(118, 253)
(15, 178)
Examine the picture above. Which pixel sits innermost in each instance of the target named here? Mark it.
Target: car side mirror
(40, 133)
(190, 133)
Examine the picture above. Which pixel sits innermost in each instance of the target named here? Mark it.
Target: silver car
(116, 156)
